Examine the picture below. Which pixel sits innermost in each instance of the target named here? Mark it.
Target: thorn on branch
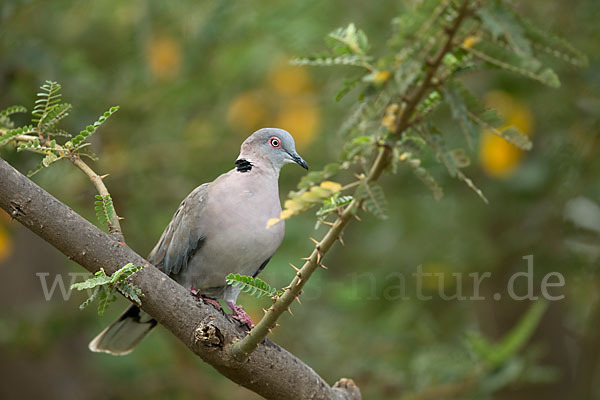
(295, 268)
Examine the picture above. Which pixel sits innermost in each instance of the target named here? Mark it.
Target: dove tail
(120, 337)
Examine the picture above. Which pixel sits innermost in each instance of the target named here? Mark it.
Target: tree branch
(270, 371)
(246, 346)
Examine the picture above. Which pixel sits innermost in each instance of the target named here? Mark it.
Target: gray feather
(220, 228)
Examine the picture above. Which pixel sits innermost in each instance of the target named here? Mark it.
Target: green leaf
(503, 59)
(105, 287)
(48, 98)
(374, 199)
(12, 133)
(515, 340)
(253, 286)
(90, 129)
(421, 173)
(502, 23)
(105, 210)
(54, 115)
(325, 61)
(315, 177)
(5, 121)
(551, 44)
(511, 134)
(457, 98)
(348, 40)
(90, 299)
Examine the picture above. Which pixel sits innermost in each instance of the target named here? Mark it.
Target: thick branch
(270, 371)
(246, 346)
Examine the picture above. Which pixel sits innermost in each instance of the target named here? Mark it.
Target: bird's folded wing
(183, 236)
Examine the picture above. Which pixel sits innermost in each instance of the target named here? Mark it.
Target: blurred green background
(193, 79)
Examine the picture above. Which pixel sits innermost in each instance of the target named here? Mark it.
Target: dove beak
(298, 160)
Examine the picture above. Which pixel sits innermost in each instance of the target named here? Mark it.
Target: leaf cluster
(492, 35)
(42, 135)
(104, 288)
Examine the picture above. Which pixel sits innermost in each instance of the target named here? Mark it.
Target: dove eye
(275, 142)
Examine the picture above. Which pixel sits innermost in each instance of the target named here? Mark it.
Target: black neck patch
(243, 165)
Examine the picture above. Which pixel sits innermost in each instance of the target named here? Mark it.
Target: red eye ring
(275, 142)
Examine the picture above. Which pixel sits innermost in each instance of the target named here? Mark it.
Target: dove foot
(240, 314)
(196, 293)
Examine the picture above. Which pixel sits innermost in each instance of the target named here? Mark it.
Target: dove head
(270, 146)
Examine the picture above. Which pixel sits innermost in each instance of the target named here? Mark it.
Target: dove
(219, 228)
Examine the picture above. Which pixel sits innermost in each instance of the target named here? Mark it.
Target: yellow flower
(499, 158)
(289, 80)
(163, 55)
(471, 41)
(381, 76)
(301, 118)
(5, 244)
(247, 112)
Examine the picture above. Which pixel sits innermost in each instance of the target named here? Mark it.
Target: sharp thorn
(298, 300)
(293, 266)
(305, 258)
(104, 176)
(356, 217)
(322, 266)
(319, 257)
(277, 324)
(290, 311)
(328, 223)
(341, 240)
(314, 241)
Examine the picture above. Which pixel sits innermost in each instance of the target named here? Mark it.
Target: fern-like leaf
(421, 173)
(48, 97)
(54, 115)
(90, 129)
(106, 287)
(374, 199)
(325, 61)
(5, 121)
(253, 286)
(12, 133)
(105, 210)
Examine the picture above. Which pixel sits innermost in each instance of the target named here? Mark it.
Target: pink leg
(240, 314)
(196, 293)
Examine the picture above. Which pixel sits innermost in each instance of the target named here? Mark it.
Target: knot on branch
(349, 388)
(16, 209)
(209, 335)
